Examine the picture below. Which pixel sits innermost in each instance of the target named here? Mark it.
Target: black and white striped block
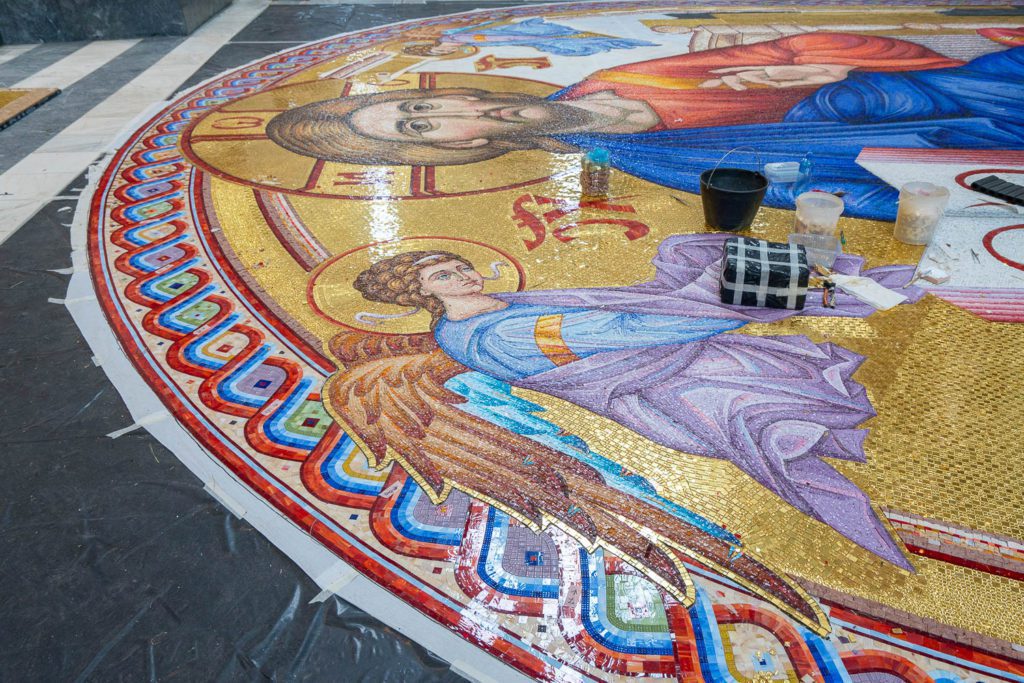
(764, 274)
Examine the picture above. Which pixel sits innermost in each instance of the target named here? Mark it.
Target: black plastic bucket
(731, 197)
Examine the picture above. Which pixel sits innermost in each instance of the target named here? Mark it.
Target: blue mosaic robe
(509, 344)
(979, 105)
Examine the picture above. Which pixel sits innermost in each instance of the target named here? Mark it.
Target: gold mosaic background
(947, 385)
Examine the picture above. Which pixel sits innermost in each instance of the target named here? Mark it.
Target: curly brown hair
(396, 280)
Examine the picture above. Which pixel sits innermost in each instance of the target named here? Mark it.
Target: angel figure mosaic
(654, 357)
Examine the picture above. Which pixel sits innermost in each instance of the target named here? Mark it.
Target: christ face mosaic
(361, 273)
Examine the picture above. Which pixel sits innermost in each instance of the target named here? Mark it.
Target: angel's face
(450, 279)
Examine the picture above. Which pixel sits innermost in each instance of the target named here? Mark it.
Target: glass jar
(595, 175)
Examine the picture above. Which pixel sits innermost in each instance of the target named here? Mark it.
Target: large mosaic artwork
(361, 275)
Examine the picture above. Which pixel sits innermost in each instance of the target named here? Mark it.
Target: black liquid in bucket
(731, 197)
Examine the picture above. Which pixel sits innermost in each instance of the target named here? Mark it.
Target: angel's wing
(390, 394)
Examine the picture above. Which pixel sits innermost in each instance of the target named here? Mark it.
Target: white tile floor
(40, 176)
(9, 52)
(79, 63)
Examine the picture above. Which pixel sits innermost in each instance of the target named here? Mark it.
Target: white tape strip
(222, 497)
(143, 422)
(332, 580)
(62, 271)
(65, 302)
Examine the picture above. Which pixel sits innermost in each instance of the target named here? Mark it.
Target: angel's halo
(331, 296)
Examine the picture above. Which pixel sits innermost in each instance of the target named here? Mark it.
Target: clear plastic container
(822, 250)
(782, 171)
(817, 213)
(921, 208)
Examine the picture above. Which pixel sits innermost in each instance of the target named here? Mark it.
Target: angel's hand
(785, 76)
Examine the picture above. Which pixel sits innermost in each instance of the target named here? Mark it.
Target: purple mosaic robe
(773, 406)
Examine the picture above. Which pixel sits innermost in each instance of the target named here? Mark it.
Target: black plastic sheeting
(115, 564)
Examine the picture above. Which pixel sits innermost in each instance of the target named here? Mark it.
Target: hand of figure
(785, 76)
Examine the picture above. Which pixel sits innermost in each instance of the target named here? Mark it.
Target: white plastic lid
(820, 201)
(923, 189)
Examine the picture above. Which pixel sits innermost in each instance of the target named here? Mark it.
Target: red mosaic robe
(671, 84)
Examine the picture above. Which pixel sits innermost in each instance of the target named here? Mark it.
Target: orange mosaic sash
(547, 332)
